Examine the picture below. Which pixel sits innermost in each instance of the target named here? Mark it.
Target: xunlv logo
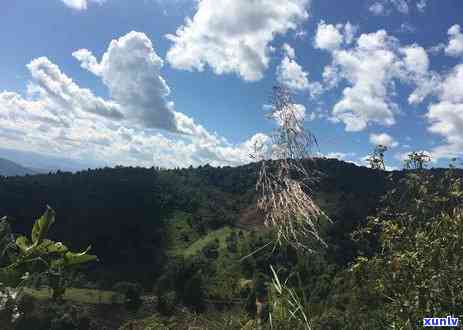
(448, 321)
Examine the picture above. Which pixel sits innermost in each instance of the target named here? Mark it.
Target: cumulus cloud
(293, 116)
(368, 68)
(416, 69)
(293, 76)
(81, 4)
(385, 7)
(455, 46)
(371, 67)
(130, 68)
(328, 37)
(421, 5)
(377, 8)
(383, 139)
(446, 116)
(234, 36)
(58, 117)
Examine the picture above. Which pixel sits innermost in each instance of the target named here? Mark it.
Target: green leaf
(42, 225)
(48, 247)
(23, 243)
(72, 258)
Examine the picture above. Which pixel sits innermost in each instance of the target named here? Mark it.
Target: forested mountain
(193, 237)
(122, 211)
(9, 168)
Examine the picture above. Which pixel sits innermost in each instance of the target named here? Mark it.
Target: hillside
(9, 168)
(189, 236)
(123, 212)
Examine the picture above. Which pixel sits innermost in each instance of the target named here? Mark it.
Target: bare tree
(376, 159)
(283, 185)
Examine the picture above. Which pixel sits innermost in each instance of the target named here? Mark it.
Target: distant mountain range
(9, 168)
(40, 163)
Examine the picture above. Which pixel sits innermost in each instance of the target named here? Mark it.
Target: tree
(376, 159)
(417, 271)
(417, 160)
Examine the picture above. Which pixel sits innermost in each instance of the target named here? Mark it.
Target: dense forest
(193, 240)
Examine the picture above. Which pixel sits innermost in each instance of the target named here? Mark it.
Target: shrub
(132, 293)
(167, 303)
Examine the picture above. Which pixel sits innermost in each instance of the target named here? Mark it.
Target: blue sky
(184, 82)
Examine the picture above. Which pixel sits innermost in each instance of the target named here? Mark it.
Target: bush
(132, 293)
(167, 303)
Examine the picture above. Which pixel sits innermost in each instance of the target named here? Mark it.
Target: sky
(174, 83)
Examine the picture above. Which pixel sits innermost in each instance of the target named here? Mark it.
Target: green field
(220, 234)
(87, 296)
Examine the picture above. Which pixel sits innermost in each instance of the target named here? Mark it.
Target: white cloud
(234, 36)
(80, 4)
(416, 69)
(455, 46)
(446, 116)
(130, 68)
(328, 37)
(407, 28)
(293, 76)
(369, 68)
(401, 5)
(350, 31)
(377, 8)
(384, 7)
(57, 117)
(288, 51)
(421, 5)
(383, 139)
(292, 117)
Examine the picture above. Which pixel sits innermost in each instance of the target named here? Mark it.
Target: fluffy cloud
(234, 36)
(377, 8)
(455, 46)
(293, 76)
(384, 7)
(368, 68)
(328, 37)
(383, 139)
(130, 68)
(294, 116)
(57, 117)
(401, 5)
(415, 68)
(371, 67)
(421, 5)
(80, 4)
(446, 116)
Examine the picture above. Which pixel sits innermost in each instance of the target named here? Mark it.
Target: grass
(184, 241)
(220, 234)
(180, 234)
(87, 296)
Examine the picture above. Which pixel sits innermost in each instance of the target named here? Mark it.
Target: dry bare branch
(283, 185)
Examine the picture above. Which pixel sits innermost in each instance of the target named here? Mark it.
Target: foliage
(41, 255)
(132, 293)
(418, 271)
(288, 309)
(34, 255)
